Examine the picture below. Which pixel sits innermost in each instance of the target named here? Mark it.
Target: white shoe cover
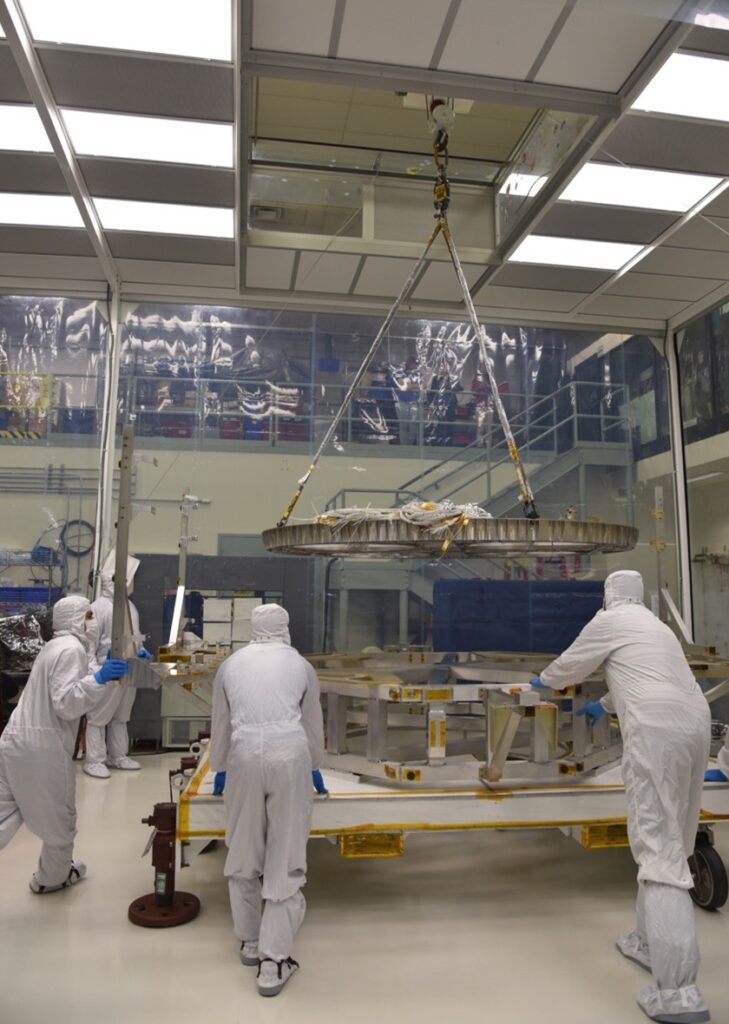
(674, 1005)
(249, 954)
(634, 948)
(96, 770)
(272, 976)
(124, 764)
(76, 874)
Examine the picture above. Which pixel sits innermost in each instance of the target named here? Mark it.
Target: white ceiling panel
(528, 298)
(439, 281)
(647, 309)
(700, 233)
(598, 47)
(326, 272)
(663, 286)
(392, 31)
(501, 38)
(194, 275)
(686, 263)
(268, 268)
(50, 267)
(292, 26)
(383, 275)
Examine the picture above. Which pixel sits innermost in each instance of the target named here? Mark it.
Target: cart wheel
(710, 878)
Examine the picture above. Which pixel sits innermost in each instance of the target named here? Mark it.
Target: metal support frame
(398, 78)
(590, 142)
(23, 50)
(120, 614)
(104, 525)
(679, 482)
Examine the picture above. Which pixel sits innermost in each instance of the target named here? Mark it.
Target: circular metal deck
(394, 538)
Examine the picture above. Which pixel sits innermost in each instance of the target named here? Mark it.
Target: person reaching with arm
(666, 729)
(37, 775)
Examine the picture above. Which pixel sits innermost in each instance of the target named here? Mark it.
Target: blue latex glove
(318, 780)
(715, 775)
(537, 683)
(113, 668)
(145, 654)
(592, 711)
(219, 784)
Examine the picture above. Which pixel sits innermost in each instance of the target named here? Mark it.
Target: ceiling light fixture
(689, 85)
(162, 139)
(31, 209)
(165, 218)
(550, 250)
(612, 185)
(150, 26)
(21, 129)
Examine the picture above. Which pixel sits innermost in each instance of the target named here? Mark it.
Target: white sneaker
(96, 770)
(249, 954)
(674, 1006)
(124, 764)
(76, 874)
(634, 948)
(273, 975)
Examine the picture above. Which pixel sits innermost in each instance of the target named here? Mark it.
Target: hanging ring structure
(441, 201)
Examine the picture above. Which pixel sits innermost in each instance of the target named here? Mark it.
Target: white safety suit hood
(270, 624)
(623, 587)
(107, 574)
(69, 619)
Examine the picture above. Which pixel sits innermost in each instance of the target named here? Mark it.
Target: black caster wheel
(710, 878)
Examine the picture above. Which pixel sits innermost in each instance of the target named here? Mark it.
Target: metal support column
(679, 482)
(120, 614)
(376, 729)
(403, 631)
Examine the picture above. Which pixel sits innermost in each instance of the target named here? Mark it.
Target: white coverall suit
(666, 728)
(37, 776)
(107, 736)
(267, 734)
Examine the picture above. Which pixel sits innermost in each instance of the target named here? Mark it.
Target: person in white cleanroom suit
(37, 776)
(107, 736)
(267, 735)
(666, 729)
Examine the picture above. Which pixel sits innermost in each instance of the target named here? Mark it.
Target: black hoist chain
(442, 188)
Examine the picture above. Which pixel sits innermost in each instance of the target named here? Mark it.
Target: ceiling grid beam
(667, 43)
(21, 45)
(550, 40)
(336, 33)
(394, 78)
(444, 34)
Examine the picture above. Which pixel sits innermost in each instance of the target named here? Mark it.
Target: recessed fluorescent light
(183, 27)
(610, 185)
(150, 138)
(165, 218)
(43, 210)
(574, 252)
(518, 184)
(689, 86)
(22, 129)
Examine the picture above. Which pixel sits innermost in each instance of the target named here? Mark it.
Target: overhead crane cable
(361, 372)
(441, 200)
(526, 495)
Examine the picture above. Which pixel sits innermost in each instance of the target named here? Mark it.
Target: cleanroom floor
(498, 926)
